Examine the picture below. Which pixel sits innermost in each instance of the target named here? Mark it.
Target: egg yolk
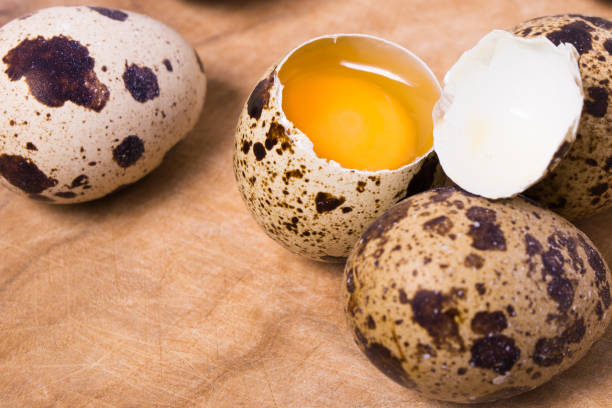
(357, 112)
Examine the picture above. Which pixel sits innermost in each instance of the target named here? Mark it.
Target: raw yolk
(351, 120)
(362, 103)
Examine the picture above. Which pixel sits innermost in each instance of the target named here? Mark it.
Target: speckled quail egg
(93, 100)
(313, 204)
(470, 300)
(581, 184)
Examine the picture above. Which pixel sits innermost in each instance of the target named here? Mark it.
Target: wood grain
(168, 294)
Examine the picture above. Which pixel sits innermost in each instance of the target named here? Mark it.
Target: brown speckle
(608, 45)
(480, 288)
(489, 323)
(128, 151)
(31, 146)
(598, 189)
(141, 82)
(473, 260)
(111, 13)
(562, 292)
(485, 233)
(598, 104)
(24, 174)
(80, 180)
(57, 70)
(371, 322)
(576, 33)
(440, 225)
(432, 312)
(497, 353)
(66, 194)
(260, 97)
(246, 146)
(167, 64)
(326, 202)
(552, 351)
(350, 281)
(259, 151)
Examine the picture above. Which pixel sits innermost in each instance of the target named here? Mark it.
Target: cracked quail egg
(333, 135)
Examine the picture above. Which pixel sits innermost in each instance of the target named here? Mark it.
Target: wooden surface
(168, 294)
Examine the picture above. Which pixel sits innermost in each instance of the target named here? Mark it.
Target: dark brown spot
(497, 353)
(128, 151)
(510, 310)
(347, 209)
(111, 13)
(259, 151)
(371, 322)
(599, 311)
(432, 312)
(599, 189)
(260, 97)
(461, 371)
(553, 262)
(246, 146)
(326, 202)
(561, 291)
(595, 261)
(485, 233)
(40, 197)
(167, 64)
(608, 45)
(296, 173)
(386, 362)
(361, 186)
(598, 104)
(199, 61)
(598, 22)
(24, 174)
(526, 31)
(489, 323)
(552, 351)
(57, 70)
(350, 281)
(403, 298)
(480, 288)
(473, 260)
(424, 179)
(31, 146)
(576, 33)
(141, 82)
(360, 338)
(608, 166)
(440, 225)
(80, 180)
(65, 194)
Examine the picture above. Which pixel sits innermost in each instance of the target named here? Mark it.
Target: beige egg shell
(470, 300)
(310, 205)
(74, 129)
(581, 184)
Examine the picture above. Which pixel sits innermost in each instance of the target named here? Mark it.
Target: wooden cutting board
(169, 294)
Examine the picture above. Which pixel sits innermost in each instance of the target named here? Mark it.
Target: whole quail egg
(333, 135)
(470, 300)
(581, 184)
(93, 100)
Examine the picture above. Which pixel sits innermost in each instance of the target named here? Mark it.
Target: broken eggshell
(508, 113)
(466, 299)
(93, 100)
(581, 185)
(310, 205)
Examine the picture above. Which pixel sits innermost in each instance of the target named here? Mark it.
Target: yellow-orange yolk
(351, 120)
(355, 108)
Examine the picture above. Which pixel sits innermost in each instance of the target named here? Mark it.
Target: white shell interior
(508, 104)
